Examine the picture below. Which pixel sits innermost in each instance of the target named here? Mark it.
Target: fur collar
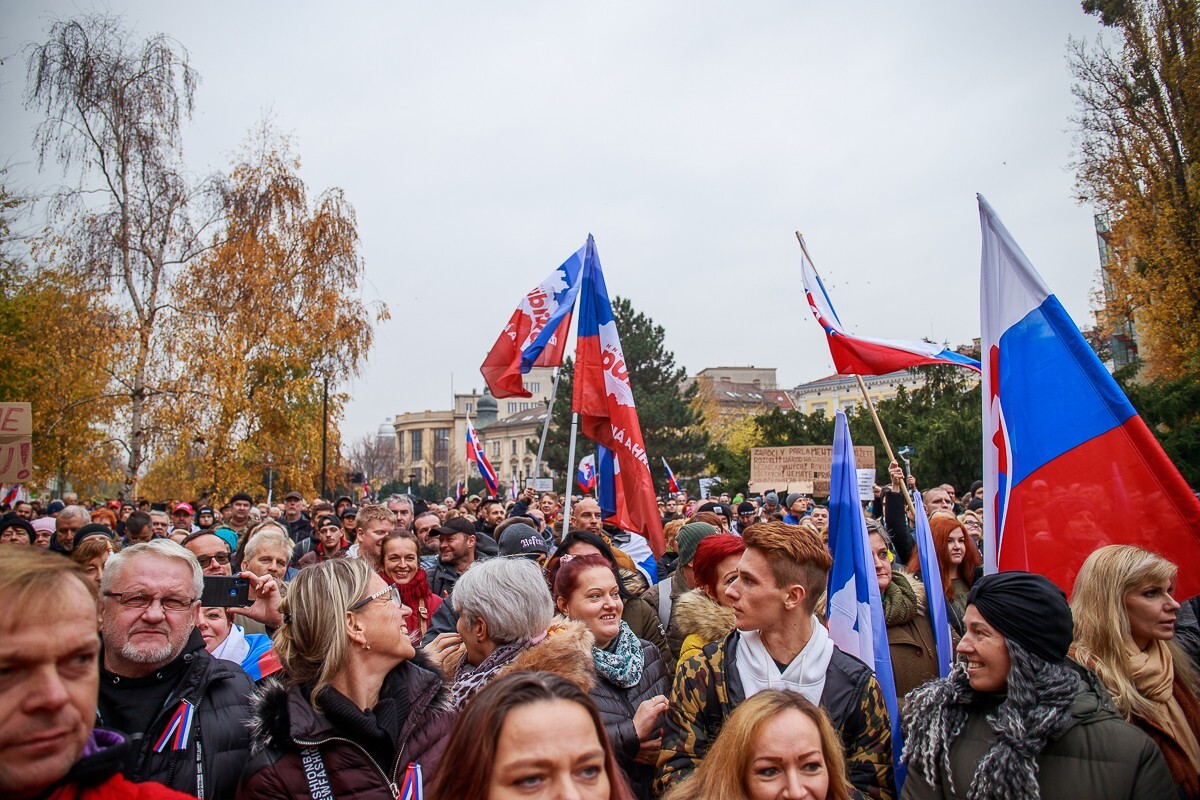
(280, 714)
(696, 613)
(566, 651)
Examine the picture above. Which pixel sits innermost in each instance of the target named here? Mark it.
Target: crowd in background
(490, 649)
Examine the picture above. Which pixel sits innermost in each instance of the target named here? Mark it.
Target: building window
(417, 479)
(495, 449)
(514, 449)
(470, 409)
(512, 408)
(441, 476)
(441, 444)
(848, 407)
(400, 448)
(533, 387)
(416, 446)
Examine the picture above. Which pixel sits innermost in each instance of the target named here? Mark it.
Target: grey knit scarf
(1036, 710)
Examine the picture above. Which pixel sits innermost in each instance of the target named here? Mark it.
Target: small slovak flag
(672, 484)
(459, 492)
(475, 453)
(586, 476)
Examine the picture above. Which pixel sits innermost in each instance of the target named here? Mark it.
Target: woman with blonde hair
(775, 742)
(1124, 616)
(354, 710)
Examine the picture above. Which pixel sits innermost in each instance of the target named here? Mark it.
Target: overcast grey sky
(481, 142)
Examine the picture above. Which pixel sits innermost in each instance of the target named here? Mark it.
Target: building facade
(841, 391)
(431, 445)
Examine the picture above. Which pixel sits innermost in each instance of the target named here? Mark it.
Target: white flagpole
(570, 467)
(537, 467)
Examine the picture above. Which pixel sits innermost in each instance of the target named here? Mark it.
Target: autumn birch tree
(265, 317)
(113, 108)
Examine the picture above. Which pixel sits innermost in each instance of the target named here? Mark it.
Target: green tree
(1138, 138)
(670, 426)
(1171, 409)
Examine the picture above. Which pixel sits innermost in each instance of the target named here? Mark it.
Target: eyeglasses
(220, 558)
(393, 596)
(139, 600)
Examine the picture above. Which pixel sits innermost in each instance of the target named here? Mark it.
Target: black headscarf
(1027, 608)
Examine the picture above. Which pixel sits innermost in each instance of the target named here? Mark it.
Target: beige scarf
(1153, 674)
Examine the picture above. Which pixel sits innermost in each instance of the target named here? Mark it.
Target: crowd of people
(487, 649)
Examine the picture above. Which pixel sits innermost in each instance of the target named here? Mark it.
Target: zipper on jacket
(391, 784)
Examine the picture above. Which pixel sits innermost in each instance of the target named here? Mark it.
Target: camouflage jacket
(707, 689)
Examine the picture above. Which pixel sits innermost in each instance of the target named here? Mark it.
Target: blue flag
(931, 572)
(854, 608)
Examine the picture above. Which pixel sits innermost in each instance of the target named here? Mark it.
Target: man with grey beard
(184, 711)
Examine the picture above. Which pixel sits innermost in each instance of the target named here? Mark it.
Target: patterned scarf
(468, 679)
(621, 665)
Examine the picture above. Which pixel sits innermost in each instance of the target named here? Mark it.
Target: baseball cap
(520, 539)
(455, 526)
(349, 511)
(746, 507)
(205, 510)
(327, 519)
(183, 507)
(293, 496)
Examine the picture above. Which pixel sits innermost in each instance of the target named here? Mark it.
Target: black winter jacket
(218, 743)
(285, 723)
(617, 707)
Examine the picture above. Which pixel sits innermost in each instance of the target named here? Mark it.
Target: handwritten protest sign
(803, 469)
(16, 434)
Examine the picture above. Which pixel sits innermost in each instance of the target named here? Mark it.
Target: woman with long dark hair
(502, 746)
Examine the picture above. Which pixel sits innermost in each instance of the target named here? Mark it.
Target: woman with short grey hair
(505, 624)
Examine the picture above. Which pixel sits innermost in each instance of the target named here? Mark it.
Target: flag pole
(570, 467)
(537, 466)
(870, 404)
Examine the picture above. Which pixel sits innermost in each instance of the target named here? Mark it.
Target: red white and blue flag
(11, 495)
(475, 453)
(459, 492)
(512, 488)
(1068, 464)
(603, 398)
(179, 727)
(861, 355)
(672, 484)
(413, 787)
(536, 333)
(586, 475)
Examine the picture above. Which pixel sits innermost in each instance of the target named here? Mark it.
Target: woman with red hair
(959, 560)
(704, 614)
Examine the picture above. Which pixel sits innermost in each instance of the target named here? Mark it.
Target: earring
(366, 646)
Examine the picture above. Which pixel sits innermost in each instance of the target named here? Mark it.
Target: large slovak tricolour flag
(1068, 464)
(536, 333)
(475, 453)
(861, 355)
(855, 609)
(603, 398)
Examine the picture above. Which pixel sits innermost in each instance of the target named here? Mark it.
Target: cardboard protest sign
(16, 435)
(804, 469)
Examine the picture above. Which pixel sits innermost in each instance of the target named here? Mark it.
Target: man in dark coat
(184, 712)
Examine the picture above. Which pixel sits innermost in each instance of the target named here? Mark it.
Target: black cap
(746, 507)
(242, 496)
(521, 539)
(13, 521)
(293, 496)
(327, 519)
(349, 511)
(455, 526)
(205, 510)
(88, 531)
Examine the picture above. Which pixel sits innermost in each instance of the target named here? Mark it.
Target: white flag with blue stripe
(854, 608)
